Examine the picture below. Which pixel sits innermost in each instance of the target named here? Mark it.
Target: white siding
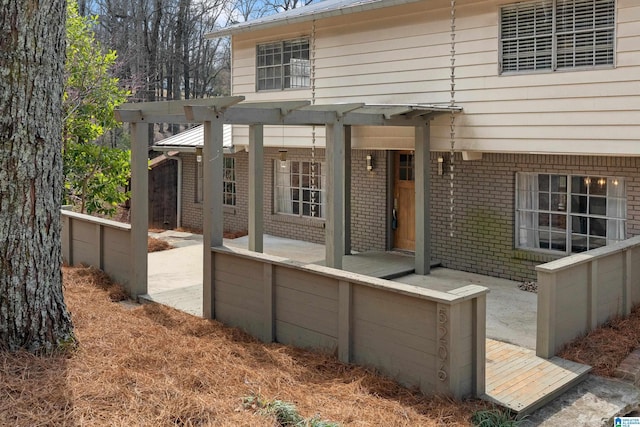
(401, 55)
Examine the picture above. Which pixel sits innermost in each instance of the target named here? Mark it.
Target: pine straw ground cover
(154, 366)
(606, 347)
(157, 245)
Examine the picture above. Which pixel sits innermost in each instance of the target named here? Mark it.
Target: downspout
(179, 192)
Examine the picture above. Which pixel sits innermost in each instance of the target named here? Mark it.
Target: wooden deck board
(519, 380)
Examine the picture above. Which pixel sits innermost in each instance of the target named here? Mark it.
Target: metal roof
(322, 9)
(189, 140)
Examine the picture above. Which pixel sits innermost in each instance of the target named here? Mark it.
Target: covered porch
(337, 119)
(418, 333)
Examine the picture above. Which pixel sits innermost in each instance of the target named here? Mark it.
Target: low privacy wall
(580, 292)
(420, 337)
(97, 242)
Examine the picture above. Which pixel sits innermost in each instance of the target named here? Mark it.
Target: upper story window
(569, 213)
(283, 65)
(556, 34)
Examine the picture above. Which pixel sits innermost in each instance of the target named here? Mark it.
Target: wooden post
(256, 188)
(347, 190)
(479, 319)
(269, 320)
(627, 285)
(423, 203)
(213, 214)
(546, 318)
(334, 233)
(139, 207)
(344, 321)
(592, 292)
(67, 239)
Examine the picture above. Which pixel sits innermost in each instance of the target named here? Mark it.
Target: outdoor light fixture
(199, 154)
(369, 162)
(440, 165)
(282, 155)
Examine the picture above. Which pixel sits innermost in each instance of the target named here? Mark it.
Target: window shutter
(584, 34)
(527, 36)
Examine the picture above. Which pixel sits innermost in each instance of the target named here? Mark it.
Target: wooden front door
(404, 201)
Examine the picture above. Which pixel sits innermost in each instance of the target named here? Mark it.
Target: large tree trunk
(32, 46)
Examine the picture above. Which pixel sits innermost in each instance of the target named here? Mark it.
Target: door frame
(391, 179)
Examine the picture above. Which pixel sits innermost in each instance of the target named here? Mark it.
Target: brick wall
(191, 209)
(369, 206)
(484, 208)
(235, 217)
(484, 205)
(368, 196)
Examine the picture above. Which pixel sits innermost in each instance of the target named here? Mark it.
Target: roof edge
(280, 19)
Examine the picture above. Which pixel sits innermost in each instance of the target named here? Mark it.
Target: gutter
(188, 150)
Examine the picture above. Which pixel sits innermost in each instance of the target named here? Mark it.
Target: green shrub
(494, 418)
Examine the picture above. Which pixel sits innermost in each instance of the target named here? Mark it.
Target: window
(299, 188)
(568, 213)
(556, 34)
(406, 168)
(228, 182)
(283, 65)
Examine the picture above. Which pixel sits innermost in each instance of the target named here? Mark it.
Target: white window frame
(293, 189)
(229, 195)
(283, 65)
(542, 24)
(567, 211)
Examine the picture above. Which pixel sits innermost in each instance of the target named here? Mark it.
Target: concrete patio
(175, 279)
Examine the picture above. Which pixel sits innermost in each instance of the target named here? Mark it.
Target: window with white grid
(283, 65)
(228, 182)
(569, 213)
(299, 188)
(556, 35)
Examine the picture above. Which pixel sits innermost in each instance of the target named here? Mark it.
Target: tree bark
(33, 315)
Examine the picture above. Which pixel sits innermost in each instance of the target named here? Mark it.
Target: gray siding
(420, 337)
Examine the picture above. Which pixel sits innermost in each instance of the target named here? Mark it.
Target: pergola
(213, 113)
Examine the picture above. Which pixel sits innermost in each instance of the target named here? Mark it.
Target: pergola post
(213, 214)
(347, 190)
(139, 207)
(256, 188)
(334, 232)
(423, 202)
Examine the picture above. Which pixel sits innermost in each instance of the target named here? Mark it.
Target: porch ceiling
(234, 110)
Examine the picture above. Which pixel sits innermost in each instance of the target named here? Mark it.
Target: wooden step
(519, 380)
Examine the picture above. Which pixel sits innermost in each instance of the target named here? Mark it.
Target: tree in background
(95, 175)
(33, 315)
